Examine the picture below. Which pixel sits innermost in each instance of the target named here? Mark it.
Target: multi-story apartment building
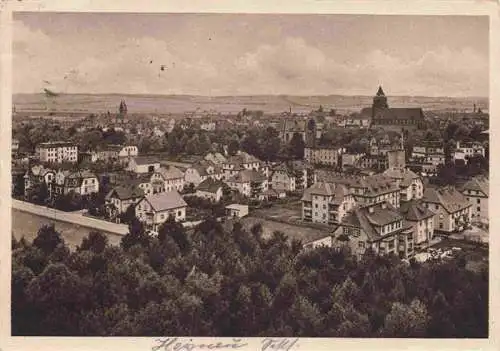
(464, 151)
(57, 152)
(322, 155)
(421, 219)
(326, 203)
(411, 184)
(367, 190)
(452, 210)
(249, 183)
(430, 152)
(476, 192)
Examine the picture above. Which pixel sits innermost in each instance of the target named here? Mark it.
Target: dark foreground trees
(216, 281)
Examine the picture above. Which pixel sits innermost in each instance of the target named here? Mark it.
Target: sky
(250, 54)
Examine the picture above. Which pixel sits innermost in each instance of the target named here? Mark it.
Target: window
(361, 244)
(162, 216)
(316, 205)
(437, 207)
(440, 225)
(478, 201)
(479, 209)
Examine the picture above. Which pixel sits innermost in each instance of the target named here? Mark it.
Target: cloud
(292, 66)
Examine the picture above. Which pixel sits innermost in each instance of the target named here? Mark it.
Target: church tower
(122, 110)
(379, 101)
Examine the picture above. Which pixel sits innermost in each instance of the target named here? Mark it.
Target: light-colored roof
(210, 185)
(336, 192)
(449, 197)
(246, 176)
(405, 175)
(170, 172)
(481, 184)
(166, 201)
(415, 211)
(238, 207)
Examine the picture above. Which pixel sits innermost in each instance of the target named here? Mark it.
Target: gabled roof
(81, 175)
(415, 211)
(247, 176)
(145, 160)
(125, 192)
(374, 184)
(210, 185)
(448, 197)
(380, 92)
(166, 201)
(335, 192)
(170, 172)
(405, 113)
(382, 215)
(481, 184)
(405, 175)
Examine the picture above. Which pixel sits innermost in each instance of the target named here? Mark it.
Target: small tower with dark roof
(380, 100)
(122, 110)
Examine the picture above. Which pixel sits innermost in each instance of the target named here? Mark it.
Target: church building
(395, 119)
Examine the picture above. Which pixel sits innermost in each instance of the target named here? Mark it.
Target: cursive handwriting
(177, 344)
(278, 344)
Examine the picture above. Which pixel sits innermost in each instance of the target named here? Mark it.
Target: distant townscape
(368, 223)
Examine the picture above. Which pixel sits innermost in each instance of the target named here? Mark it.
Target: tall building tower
(379, 101)
(122, 110)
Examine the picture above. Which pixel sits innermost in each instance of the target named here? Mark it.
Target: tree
(406, 320)
(136, 235)
(129, 215)
(297, 146)
(95, 242)
(171, 228)
(48, 239)
(233, 147)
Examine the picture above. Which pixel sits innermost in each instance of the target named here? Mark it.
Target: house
(326, 203)
(378, 227)
(81, 182)
(143, 165)
(242, 160)
(236, 211)
(452, 210)
(154, 210)
(421, 220)
(57, 152)
(476, 192)
(210, 189)
(366, 190)
(216, 158)
(14, 146)
(195, 174)
(322, 155)
(38, 174)
(429, 152)
(357, 120)
(464, 151)
(172, 177)
(283, 178)
(306, 128)
(411, 184)
(249, 183)
(124, 196)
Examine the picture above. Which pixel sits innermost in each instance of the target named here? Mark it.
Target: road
(70, 217)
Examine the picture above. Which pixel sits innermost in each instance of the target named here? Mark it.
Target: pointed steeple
(380, 92)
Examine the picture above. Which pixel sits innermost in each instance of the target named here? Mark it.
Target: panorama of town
(388, 181)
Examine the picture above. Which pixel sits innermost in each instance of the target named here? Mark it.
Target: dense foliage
(219, 282)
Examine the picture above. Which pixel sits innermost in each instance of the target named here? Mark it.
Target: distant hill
(229, 104)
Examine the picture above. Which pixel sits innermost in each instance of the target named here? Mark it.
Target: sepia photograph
(250, 175)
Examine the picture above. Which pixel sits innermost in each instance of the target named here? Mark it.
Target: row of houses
(391, 211)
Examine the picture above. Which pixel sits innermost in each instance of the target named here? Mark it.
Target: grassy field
(229, 104)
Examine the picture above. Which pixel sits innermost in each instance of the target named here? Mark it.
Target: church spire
(380, 92)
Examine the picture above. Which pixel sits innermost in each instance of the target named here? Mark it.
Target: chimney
(370, 209)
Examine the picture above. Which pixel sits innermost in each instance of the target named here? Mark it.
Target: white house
(476, 192)
(237, 211)
(143, 165)
(57, 152)
(249, 183)
(210, 189)
(124, 196)
(154, 210)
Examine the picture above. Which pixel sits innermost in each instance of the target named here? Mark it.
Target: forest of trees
(214, 281)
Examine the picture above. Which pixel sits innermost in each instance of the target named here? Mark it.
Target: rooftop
(166, 201)
(449, 197)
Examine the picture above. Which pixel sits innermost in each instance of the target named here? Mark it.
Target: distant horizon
(262, 95)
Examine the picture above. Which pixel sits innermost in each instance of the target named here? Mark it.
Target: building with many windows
(154, 210)
(476, 192)
(57, 152)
